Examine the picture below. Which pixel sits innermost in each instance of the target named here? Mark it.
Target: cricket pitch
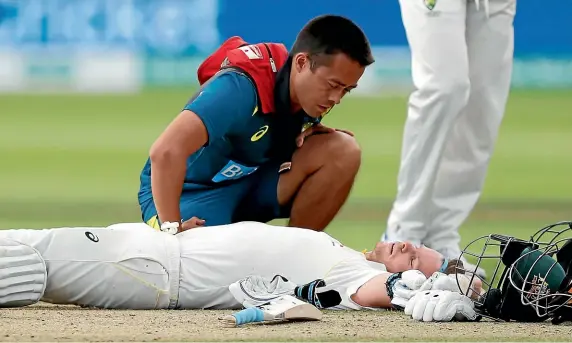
(45, 322)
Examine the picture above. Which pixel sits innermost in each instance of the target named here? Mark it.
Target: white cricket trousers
(461, 67)
(124, 266)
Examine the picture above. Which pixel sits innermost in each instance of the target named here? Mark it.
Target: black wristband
(310, 293)
(391, 280)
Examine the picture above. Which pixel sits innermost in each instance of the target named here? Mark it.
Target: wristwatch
(170, 227)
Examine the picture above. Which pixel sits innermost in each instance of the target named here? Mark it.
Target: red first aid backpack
(261, 62)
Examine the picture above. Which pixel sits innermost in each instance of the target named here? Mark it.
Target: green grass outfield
(75, 160)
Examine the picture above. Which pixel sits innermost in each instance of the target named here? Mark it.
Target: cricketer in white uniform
(462, 55)
(132, 266)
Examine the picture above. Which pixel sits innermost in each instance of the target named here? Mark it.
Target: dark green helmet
(528, 277)
(548, 272)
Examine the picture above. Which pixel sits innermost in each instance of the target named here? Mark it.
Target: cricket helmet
(531, 279)
(500, 296)
(543, 276)
(548, 235)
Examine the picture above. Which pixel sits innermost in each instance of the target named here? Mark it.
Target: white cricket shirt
(214, 257)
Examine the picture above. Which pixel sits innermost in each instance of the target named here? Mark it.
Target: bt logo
(232, 171)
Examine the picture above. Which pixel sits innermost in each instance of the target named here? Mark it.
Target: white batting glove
(452, 282)
(255, 290)
(440, 306)
(440, 281)
(406, 287)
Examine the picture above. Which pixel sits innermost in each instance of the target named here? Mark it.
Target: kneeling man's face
(399, 257)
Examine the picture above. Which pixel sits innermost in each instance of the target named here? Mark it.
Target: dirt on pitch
(44, 322)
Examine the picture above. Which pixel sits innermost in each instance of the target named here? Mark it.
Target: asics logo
(258, 134)
(91, 237)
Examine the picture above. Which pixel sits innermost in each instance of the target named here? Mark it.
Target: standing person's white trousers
(462, 55)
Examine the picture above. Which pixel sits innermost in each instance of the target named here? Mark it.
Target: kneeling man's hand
(317, 129)
(192, 223)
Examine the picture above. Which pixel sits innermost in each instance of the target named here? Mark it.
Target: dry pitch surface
(44, 322)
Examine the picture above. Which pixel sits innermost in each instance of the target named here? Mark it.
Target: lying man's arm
(373, 293)
(379, 292)
(438, 298)
(222, 103)
(365, 284)
(355, 286)
(391, 290)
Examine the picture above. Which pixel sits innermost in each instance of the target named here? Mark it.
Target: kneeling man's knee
(349, 151)
(341, 151)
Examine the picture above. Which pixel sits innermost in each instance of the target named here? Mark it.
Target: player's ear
(300, 61)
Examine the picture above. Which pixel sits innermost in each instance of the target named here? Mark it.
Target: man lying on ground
(114, 268)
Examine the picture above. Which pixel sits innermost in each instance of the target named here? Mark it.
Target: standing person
(462, 55)
(236, 151)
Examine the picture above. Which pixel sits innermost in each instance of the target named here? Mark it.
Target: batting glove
(256, 290)
(440, 282)
(440, 306)
(403, 286)
(452, 282)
